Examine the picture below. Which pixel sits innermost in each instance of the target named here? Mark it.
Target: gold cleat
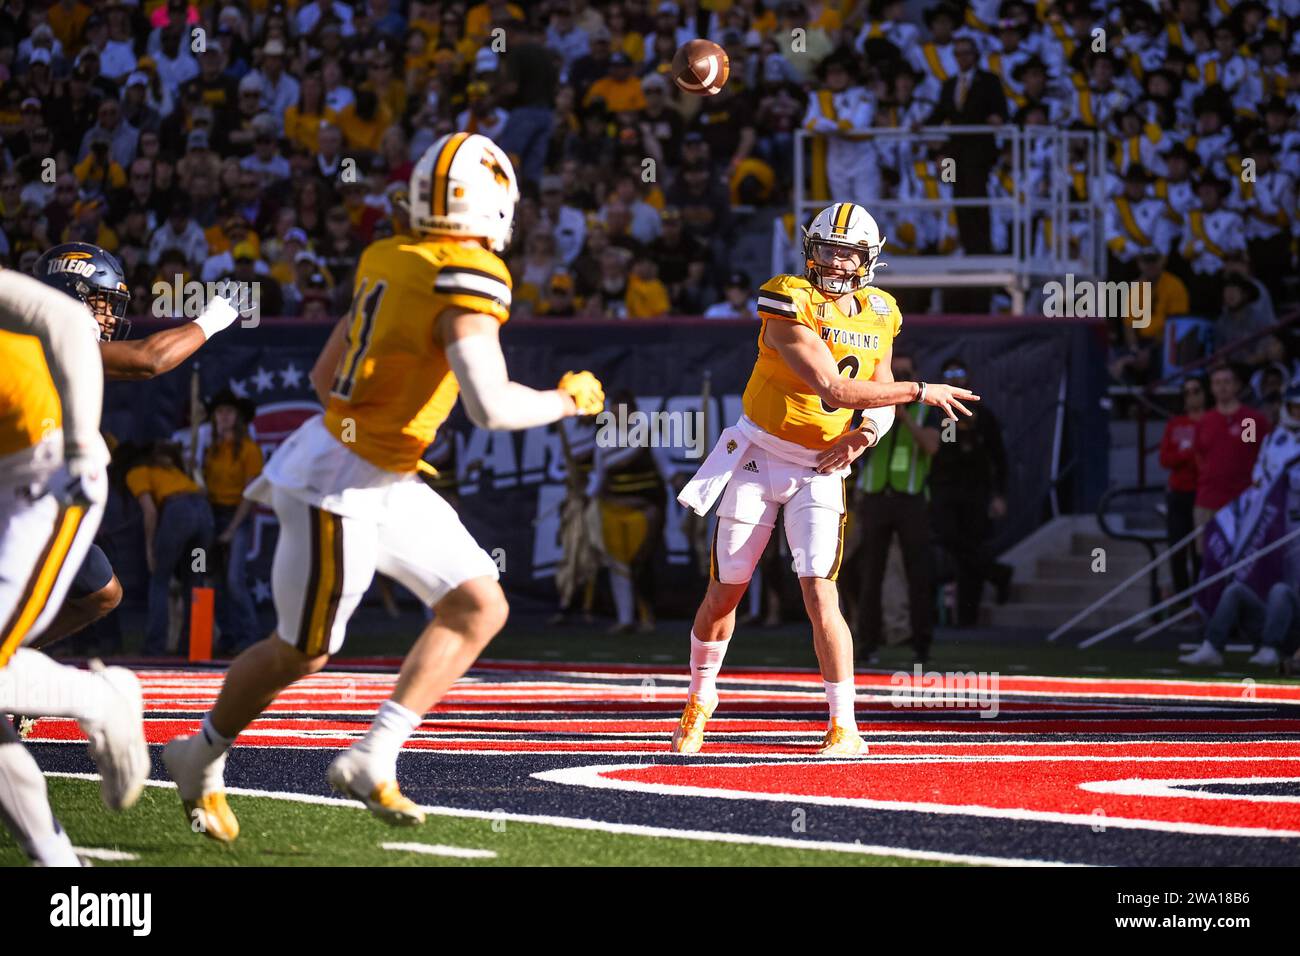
(212, 816)
(688, 737)
(350, 775)
(841, 741)
(392, 806)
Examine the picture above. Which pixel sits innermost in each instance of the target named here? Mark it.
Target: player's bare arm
(327, 363)
(808, 358)
(147, 357)
(473, 346)
(163, 351)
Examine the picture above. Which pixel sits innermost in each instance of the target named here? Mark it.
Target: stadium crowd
(271, 140)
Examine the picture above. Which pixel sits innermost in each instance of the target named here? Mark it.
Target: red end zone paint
(1045, 788)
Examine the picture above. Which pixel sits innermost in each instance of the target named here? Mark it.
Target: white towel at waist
(716, 470)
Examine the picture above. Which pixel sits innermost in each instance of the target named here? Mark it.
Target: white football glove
(82, 482)
(219, 314)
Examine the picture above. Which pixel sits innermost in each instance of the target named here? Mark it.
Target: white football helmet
(844, 231)
(464, 185)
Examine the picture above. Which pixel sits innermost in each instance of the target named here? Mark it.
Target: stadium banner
(511, 485)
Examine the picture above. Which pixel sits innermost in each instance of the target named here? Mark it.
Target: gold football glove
(585, 390)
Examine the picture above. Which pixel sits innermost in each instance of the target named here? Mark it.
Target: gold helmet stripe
(842, 215)
(441, 184)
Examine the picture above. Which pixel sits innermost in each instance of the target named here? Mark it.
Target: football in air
(701, 67)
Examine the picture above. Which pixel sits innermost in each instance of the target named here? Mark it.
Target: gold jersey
(779, 401)
(393, 387)
(29, 402)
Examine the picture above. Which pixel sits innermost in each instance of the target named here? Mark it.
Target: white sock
(25, 806)
(35, 685)
(55, 849)
(209, 743)
(839, 698)
(621, 586)
(706, 661)
(391, 728)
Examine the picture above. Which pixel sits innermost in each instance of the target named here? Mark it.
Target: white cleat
(351, 774)
(1207, 655)
(116, 740)
(202, 788)
(1266, 656)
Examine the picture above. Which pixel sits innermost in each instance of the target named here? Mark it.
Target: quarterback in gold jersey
(422, 331)
(824, 350)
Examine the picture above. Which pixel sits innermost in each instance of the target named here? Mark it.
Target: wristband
(920, 391)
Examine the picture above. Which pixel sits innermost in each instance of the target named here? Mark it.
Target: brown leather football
(701, 67)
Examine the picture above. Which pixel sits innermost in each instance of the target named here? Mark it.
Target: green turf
(284, 833)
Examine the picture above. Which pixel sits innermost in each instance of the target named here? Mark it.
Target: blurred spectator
(565, 37)
(173, 61)
(177, 519)
(279, 91)
(627, 483)
(533, 273)
(111, 127)
(1211, 232)
(179, 231)
(971, 97)
(303, 119)
(738, 300)
(1226, 444)
(230, 462)
(482, 115)
(1178, 456)
(647, 298)
(266, 159)
(893, 498)
(531, 80)
(1267, 387)
(1266, 611)
(968, 488)
(1142, 331)
(137, 111)
(619, 89)
(567, 224)
(1241, 319)
(703, 202)
(98, 174)
(559, 302)
(626, 213)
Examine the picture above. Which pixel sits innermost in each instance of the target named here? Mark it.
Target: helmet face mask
(842, 249)
(109, 308)
(836, 268)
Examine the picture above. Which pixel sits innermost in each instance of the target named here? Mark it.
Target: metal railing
(1050, 234)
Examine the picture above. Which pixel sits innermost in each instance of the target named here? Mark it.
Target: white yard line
(632, 829)
(437, 849)
(98, 853)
